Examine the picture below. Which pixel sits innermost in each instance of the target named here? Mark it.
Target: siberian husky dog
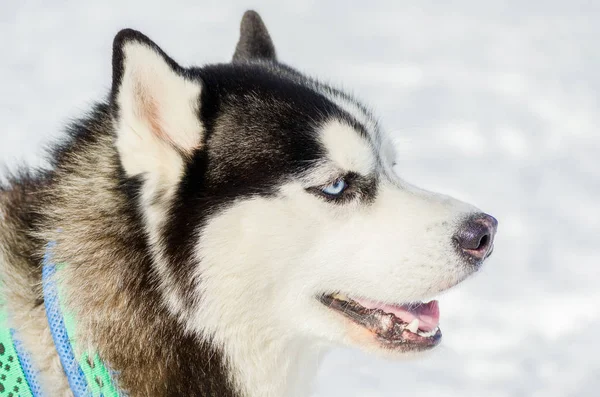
(222, 226)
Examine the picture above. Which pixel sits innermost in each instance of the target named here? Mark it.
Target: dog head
(271, 200)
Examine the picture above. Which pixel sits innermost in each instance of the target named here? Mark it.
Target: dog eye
(336, 188)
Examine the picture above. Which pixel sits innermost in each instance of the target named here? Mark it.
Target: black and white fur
(188, 209)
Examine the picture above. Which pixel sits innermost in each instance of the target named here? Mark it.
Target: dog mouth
(408, 327)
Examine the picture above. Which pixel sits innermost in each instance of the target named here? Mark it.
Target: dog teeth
(428, 334)
(413, 326)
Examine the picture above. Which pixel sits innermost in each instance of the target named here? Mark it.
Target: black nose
(475, 237)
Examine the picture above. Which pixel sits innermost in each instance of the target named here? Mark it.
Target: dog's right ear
(156, 107)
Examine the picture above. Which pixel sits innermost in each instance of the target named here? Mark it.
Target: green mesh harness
(17, 377)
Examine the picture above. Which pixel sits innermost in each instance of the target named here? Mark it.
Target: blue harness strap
(58, 329)
(88, 376)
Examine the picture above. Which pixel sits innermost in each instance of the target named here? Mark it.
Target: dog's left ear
(156, 108)
(255, 42)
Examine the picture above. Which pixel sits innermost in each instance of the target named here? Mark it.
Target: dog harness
(17, 376)
(87, 375)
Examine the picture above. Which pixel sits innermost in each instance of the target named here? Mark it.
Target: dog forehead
(266, 109)
(347, 147)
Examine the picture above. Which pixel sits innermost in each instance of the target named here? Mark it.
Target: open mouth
(413, 326)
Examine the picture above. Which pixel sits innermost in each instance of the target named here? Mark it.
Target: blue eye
(336, 188)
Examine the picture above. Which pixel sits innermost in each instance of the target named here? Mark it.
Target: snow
(493, 102)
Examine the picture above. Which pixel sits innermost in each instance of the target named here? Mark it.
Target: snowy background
(493, 102)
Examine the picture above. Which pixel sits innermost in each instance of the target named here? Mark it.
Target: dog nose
(475, 237)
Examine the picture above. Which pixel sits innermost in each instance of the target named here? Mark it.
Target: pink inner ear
(148, 110)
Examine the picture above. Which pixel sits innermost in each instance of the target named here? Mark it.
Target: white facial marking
(347, 148)
(352, 108)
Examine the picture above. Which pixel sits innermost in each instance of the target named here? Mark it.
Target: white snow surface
(493, 102)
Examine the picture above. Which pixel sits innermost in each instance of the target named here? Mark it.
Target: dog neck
(263, 356)
(275, 368)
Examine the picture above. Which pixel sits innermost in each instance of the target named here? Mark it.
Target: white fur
(158, 112)
(347, 149)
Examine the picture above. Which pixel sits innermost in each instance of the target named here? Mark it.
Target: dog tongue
(427, 313)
